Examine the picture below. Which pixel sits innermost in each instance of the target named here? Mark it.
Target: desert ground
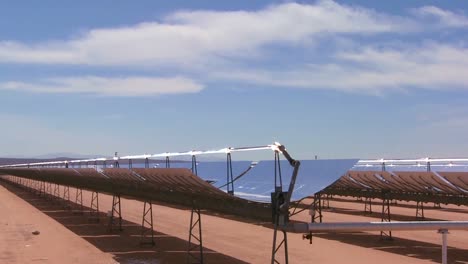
(67, 237)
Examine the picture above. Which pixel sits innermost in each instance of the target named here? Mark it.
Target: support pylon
(48, 190)
(116, 213)
(316, 209)
(196, 248)
(386, 217)
(79, 200)
(419, 210)
(147, 228)
(368, 205)
(94, 212)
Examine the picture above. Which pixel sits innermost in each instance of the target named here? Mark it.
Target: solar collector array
(177, 187)
(443, 187)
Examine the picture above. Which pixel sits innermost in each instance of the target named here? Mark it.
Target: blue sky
(365, 79)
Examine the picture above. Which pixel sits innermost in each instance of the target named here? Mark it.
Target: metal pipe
(376, 226)
(444, 233)
(272, 147)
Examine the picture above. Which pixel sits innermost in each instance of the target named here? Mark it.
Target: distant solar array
(425, 186)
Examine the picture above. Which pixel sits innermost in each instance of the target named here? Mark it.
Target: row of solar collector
(442, 187)
(172, 186)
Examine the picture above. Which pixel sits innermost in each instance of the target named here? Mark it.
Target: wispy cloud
(445, 18)
(128, 86)
(371, 70)
(185, 37)
(204, 46)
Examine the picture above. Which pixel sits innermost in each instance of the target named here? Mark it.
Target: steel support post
(386, 217)
(368, 205)
(280, 218)
(147, 228)
(419, 210)
(57, 190)
(48, 190)
(277, 246)
(229, 177)
(116, 212)
(326, 201)
(168, 162)
(66, 196)
(194, 165)
(94, 212)
(316, 209)
(42, 188)
(195, 250)
(444, 233)
(79, 200)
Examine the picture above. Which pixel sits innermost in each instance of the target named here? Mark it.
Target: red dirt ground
(68, 238)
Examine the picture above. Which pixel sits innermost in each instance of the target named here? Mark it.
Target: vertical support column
(48, 190)
(147, 228)
(197, 247)
(386, 217)
(57, 190)
(42, 188)
(280, 218)
(316, 209)
(94, 213)
(276, 248)
(168, 162)
(115, 212)
(194, 165)
(326, 201)
(79, 200)
(66, 196)
(368, 205)
(420, 210)
(444, 233)
(229, 177)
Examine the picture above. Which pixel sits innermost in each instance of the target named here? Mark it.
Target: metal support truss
(229, 177)
(277, 246)
(42, 188)
(368, 205)
(280, 218)
(419, 210)
(94, 212)
(386, 217)
(48, 190)
(195, 250)
(115, 214)
(66, 196)
(316, 209)
(56, 191)
(147, 228)
(79, 200)
(326, 201)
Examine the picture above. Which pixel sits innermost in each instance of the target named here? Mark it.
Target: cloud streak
(190, 36)
(128, 86)
(239, 46)
(370, 70)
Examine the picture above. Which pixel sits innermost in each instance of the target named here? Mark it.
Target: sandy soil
(70, 238)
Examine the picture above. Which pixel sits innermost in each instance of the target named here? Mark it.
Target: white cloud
(445, 17)
(183, 38)
(371, 70)
(129, 86)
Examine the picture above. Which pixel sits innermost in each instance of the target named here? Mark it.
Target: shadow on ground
(406, 247)
(124, 245)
